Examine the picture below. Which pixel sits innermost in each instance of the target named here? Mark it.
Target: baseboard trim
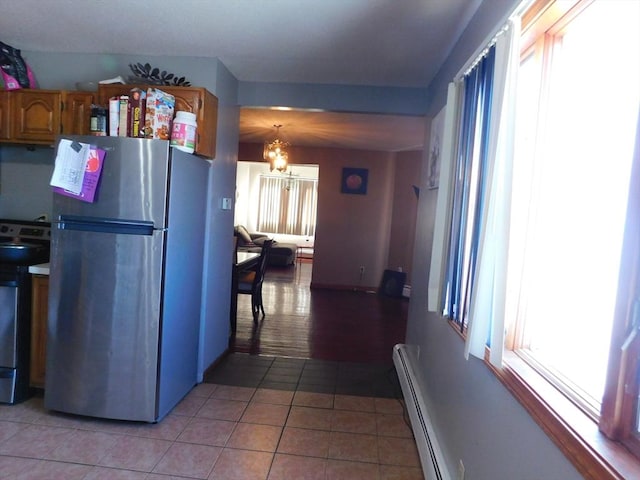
(353, 288)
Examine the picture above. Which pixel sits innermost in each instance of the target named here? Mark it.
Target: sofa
(281, 254)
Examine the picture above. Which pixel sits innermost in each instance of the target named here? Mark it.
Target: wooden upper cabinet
(190, 99)
(5, 113)
(36, 115)
(205, 105)
(76, 112)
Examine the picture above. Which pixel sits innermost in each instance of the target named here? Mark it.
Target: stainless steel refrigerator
(125, 284)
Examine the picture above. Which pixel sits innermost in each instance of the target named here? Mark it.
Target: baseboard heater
(431, 457)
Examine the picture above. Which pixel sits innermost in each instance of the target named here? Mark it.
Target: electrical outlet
(460, 470)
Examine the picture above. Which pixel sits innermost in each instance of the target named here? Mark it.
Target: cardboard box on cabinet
(159, 114)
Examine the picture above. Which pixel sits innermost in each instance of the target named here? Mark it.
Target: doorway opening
(280, 205)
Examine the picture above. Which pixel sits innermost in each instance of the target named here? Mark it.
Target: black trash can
(392, 283)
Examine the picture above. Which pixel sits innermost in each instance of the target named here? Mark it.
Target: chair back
(235, 250)
(261, 266)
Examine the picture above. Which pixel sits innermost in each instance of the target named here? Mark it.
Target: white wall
(214, 336)
(24, 182)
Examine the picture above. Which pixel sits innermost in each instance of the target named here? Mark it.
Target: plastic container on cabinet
(183, 132)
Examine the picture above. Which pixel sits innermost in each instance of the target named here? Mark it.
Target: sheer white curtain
(443, 212)
(271, 203)
(302, 207)
(486, 324)
(287, 205)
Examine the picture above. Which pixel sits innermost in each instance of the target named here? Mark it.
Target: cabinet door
(36, 115)
(5, 124)
(205, 105)
(76, 113)
(105, 92)
(39, 315)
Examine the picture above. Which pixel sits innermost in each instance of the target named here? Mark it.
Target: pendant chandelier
(275, 152)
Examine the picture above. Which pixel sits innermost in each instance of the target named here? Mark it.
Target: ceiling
(392, 133)
(385, 43)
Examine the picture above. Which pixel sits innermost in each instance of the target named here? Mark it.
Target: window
(578, 109)
(287, 205)
(571, 275)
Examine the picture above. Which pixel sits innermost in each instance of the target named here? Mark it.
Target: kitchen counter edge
(41, 269)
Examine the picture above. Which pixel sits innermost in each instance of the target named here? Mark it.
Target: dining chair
(235, 250)
(250, 282)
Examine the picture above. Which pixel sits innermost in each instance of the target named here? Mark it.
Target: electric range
(22, 244)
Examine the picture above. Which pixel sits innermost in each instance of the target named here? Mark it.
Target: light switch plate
(226, 203)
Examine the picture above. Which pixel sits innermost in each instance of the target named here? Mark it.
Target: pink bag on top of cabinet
(14, 71)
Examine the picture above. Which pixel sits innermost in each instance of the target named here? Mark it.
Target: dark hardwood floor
(333, 325)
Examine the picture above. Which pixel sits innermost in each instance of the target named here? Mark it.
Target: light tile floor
(217, 432)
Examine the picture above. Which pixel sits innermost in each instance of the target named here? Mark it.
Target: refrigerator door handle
(105, 225)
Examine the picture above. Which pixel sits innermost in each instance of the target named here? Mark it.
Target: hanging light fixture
(275, 152)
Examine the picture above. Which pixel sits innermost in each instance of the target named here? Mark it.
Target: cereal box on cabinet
(137, 101)
(159, 114)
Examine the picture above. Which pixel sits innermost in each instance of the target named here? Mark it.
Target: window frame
(548, 31)
(546, 27)
(622, 383)
(601, 448)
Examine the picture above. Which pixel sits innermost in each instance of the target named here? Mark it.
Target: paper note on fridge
(70, 165)
(91, 177)
(90, 174)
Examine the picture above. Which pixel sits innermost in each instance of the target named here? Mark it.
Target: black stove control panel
(32, 232)
(25, 230)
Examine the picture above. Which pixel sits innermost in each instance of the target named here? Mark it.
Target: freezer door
(104, 322)
(133, 182)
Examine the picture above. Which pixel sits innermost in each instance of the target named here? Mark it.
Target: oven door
(8, 338)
